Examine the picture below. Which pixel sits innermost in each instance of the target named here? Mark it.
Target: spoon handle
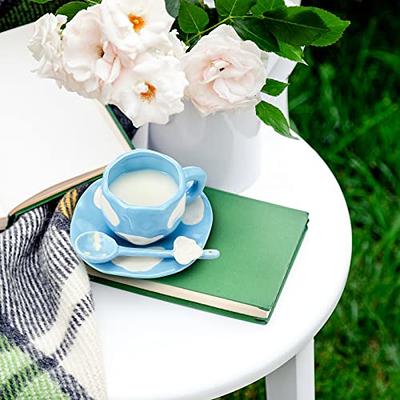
(135, 252)
(209, 254)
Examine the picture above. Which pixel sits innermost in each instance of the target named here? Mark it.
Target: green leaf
(172, 7)
(335, 25)
(72, 8)
(297, 26)
(273, 117)
(294, 53)
(266, 5)
(233, 7)
(41, 1)
(192, 18)
(273, 87)
(254, 29)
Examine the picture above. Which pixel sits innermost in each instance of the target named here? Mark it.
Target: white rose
(134, 26)
(45, 45)
(151, 90)
(224, 72)
(88, 58)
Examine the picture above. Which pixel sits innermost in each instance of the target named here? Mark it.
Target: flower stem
(223, 21)
(201, 33)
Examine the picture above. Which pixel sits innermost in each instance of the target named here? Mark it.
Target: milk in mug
(145, 187)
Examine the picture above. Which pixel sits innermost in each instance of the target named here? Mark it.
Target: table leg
(294, 380)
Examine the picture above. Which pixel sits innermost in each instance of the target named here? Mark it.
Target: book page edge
(185, 294)
(3, 223)
(59, 187)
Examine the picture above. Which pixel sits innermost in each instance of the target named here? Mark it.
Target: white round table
(154, 350)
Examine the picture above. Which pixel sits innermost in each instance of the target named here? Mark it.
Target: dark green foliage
(273, 116)
(233, 7)
(295, 25)
(346, 105)
(273, 87)
(269, 23)
(16, 13)
(256, 32)
(172, 7)
(305, 26)
(262, 6)
(291, 52)
(335, 25)
(72, 8)
(192, 18)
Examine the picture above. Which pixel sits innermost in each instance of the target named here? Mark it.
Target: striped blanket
(48, 343)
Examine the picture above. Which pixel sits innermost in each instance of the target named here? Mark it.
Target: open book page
(47, 135)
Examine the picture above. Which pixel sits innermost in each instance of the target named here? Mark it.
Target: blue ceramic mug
(143, 225)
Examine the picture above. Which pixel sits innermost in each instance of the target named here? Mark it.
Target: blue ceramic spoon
(98, 247)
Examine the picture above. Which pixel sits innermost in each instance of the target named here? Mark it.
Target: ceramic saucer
(196, 225)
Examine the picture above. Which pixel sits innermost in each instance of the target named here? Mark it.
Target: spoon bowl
(96, 247)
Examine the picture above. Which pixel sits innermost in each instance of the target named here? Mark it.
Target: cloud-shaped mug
(144, 224)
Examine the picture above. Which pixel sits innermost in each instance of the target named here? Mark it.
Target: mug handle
(198, 177)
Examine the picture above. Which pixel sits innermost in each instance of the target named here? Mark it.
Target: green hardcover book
(258, 242)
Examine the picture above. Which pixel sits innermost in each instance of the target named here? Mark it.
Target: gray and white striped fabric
(48, 343)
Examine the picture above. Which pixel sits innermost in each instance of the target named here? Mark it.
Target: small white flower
(45, 45)
(224, 72)
(89, 59)
(134, 26)
(151, 90)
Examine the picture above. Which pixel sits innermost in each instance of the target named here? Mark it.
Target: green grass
(346, 105)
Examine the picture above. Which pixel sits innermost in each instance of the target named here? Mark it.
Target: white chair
(155, 350)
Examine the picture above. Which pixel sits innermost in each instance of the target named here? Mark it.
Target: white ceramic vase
(225, 145)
